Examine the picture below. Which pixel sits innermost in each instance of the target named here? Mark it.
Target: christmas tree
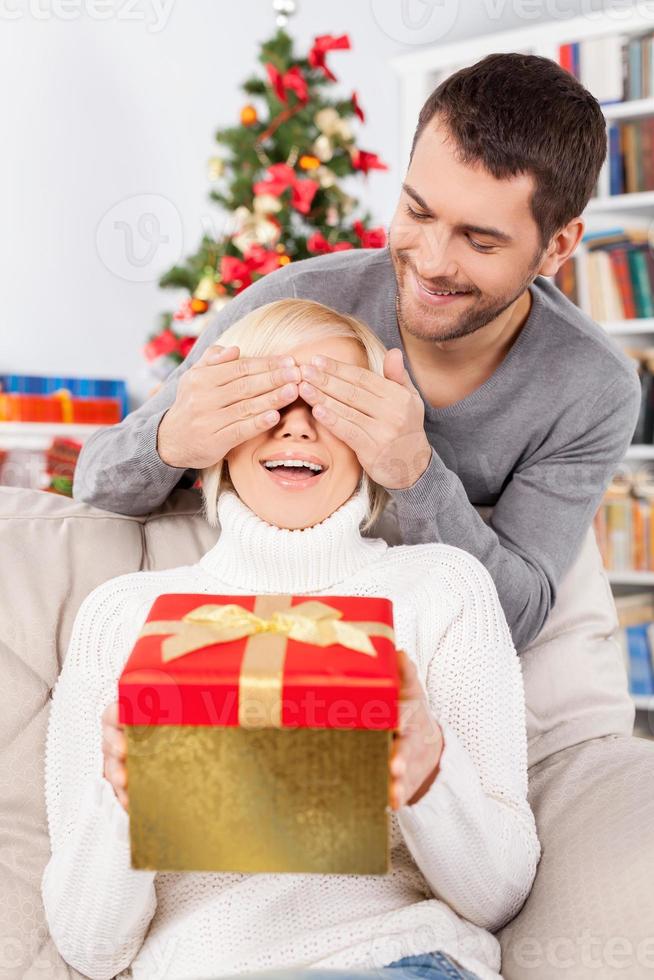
(277, 176)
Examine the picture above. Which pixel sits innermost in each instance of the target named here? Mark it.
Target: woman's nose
(296, 420)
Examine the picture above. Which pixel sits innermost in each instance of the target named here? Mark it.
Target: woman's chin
(278, 480)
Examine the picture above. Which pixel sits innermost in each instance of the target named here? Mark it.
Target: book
(641, 672)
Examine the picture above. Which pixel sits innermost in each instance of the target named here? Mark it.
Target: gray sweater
(539, 441)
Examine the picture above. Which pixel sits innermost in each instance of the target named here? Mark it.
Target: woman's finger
(114, 742)
(118, 773)
(110, 714)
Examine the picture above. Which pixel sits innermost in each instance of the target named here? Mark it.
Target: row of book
(618, 265)
(644, 431)
(614, 68)
(40, 398)
(636, 636)
(631, 156)
(51, 469)
(624, 523)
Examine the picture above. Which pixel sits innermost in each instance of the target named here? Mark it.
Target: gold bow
(262, 668)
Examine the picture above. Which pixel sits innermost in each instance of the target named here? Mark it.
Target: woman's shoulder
(124, 595)
(445, 561)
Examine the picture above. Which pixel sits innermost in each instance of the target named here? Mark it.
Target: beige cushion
(590, 913)
(575, 680)
(55, 551)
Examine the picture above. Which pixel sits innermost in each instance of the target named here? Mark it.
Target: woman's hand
(114, 750)
(417, 745)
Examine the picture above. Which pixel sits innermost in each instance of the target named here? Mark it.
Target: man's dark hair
(519, 113)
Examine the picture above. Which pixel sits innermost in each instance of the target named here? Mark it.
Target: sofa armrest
(590, 914)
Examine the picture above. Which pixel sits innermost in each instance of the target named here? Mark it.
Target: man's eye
(416, 214)
(479, 247)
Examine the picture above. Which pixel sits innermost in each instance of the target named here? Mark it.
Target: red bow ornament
(370, 237)
(291, 81)
(362, 160)
(323, 44)
(280, 176)
(257, 259)
(318, 244)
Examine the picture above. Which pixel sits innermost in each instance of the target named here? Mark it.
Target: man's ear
(562, 245)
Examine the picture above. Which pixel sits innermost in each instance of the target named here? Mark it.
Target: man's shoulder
(345, 280)
(568, 332)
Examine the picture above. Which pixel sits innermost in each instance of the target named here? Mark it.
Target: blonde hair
(276, 328)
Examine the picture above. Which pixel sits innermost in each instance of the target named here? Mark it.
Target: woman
(464, 848)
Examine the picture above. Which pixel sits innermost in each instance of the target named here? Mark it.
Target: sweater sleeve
(119, 468)
(541, 518)
(97, 907)
(473, 834)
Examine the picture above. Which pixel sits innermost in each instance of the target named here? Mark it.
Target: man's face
(458, 228)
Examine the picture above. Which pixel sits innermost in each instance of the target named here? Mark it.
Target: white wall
(117, 115)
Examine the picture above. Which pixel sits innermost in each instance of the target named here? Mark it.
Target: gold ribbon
(66, 401)
(268, 628)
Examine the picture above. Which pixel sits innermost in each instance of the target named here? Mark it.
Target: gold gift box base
(211, 798)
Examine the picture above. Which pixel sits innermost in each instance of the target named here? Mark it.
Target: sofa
(590, 913)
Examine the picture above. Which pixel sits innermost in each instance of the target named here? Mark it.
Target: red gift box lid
(330, 686)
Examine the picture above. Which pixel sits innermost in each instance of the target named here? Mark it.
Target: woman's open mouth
(294, 474)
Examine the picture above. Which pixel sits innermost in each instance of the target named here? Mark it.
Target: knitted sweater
(464, 856)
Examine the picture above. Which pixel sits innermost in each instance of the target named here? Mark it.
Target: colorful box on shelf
(259, 731)
(79, 388)
(60, 406)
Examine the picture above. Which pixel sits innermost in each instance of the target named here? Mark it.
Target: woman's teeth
(292, 463)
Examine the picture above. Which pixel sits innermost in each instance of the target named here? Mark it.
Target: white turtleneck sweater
(464, 856)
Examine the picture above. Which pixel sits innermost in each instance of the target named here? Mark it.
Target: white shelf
(38, 435)
(644, 702)
(631, 578)
(625, 328)
(629, 110)
(636, 451)
(637, 201)
(420, 70)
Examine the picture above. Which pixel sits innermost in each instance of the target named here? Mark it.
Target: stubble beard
(427, 327)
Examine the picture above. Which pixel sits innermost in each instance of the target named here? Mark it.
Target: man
(497, 390)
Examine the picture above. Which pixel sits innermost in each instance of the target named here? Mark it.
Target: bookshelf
(27, 457)
(419, 72)
(36, 436)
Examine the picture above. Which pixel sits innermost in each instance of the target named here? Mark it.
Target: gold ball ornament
(323, 148)
(330, 123)
(326, 177)
(308, 162)
(248, 115)
(216, 168)
(205, 290)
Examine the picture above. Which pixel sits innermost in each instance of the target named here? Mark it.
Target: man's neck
(447, 371)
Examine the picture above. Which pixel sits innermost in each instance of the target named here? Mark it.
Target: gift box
(60, 406)
(259, 731)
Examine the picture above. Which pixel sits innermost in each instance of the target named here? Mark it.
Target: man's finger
(343, 391)
(217, 354)
(244, 429)
(354, 373)
(394, 369)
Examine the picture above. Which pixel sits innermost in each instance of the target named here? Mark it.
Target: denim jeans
(425, 966)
